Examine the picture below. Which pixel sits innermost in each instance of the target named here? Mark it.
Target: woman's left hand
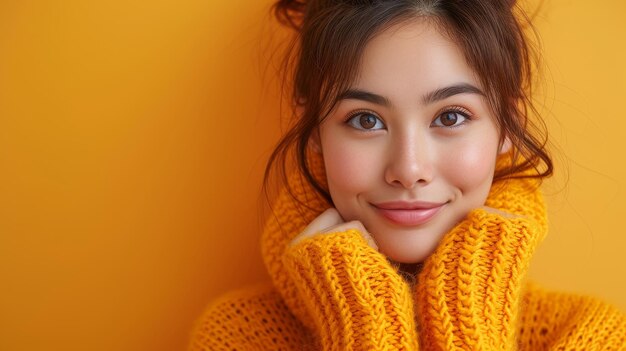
(504, 214)
(470, 288)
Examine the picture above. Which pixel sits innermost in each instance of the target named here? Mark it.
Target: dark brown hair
(330, 34)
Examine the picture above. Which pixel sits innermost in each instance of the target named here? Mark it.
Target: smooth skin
(415, 126)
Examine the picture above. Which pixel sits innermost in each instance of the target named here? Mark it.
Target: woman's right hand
(354, 299)
(330, 221)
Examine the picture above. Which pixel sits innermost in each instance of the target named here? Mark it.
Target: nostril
(408, 175)
(403, 184)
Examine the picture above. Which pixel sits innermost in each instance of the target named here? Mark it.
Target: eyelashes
(365, 120)
(448, 117)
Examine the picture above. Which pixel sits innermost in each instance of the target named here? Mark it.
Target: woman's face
(411, 147)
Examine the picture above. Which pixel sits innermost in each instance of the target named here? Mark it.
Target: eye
(451, 118)
(365, 121)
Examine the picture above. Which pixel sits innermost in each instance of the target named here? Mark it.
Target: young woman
(414, 209)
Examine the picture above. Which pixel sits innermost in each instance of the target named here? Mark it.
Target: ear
(505, 146)
(314, 141)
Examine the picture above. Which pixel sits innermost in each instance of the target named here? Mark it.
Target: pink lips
(408, 213)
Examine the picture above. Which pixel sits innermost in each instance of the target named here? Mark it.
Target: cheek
(350, 170)
(471, 167)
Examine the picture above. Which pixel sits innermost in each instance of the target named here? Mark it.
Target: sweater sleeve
(355, 299)
(469, 291)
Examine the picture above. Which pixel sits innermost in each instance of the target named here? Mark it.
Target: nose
(409, 162)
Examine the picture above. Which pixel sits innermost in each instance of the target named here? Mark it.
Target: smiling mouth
(408, 213)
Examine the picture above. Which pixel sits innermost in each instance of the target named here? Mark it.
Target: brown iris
(367, 121)
(449, 119)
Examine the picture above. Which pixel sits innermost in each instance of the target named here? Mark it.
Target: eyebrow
(429, 98)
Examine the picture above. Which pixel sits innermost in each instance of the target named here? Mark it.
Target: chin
(409, 253)
(408, 259)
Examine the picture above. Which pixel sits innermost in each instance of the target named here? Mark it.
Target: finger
(504, 214)
(326, 219)
(354, 225)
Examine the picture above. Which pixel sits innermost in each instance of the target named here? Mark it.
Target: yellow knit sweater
(334, 292)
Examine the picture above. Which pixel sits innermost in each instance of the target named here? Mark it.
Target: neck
(408, 271)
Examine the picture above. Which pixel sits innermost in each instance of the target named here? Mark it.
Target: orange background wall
(133, 136)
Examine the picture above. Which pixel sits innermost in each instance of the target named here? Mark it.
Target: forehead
(413, 56)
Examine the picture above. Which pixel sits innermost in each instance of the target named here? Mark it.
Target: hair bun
(290, 12)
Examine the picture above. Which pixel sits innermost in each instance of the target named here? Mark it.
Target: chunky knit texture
(334, 292)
